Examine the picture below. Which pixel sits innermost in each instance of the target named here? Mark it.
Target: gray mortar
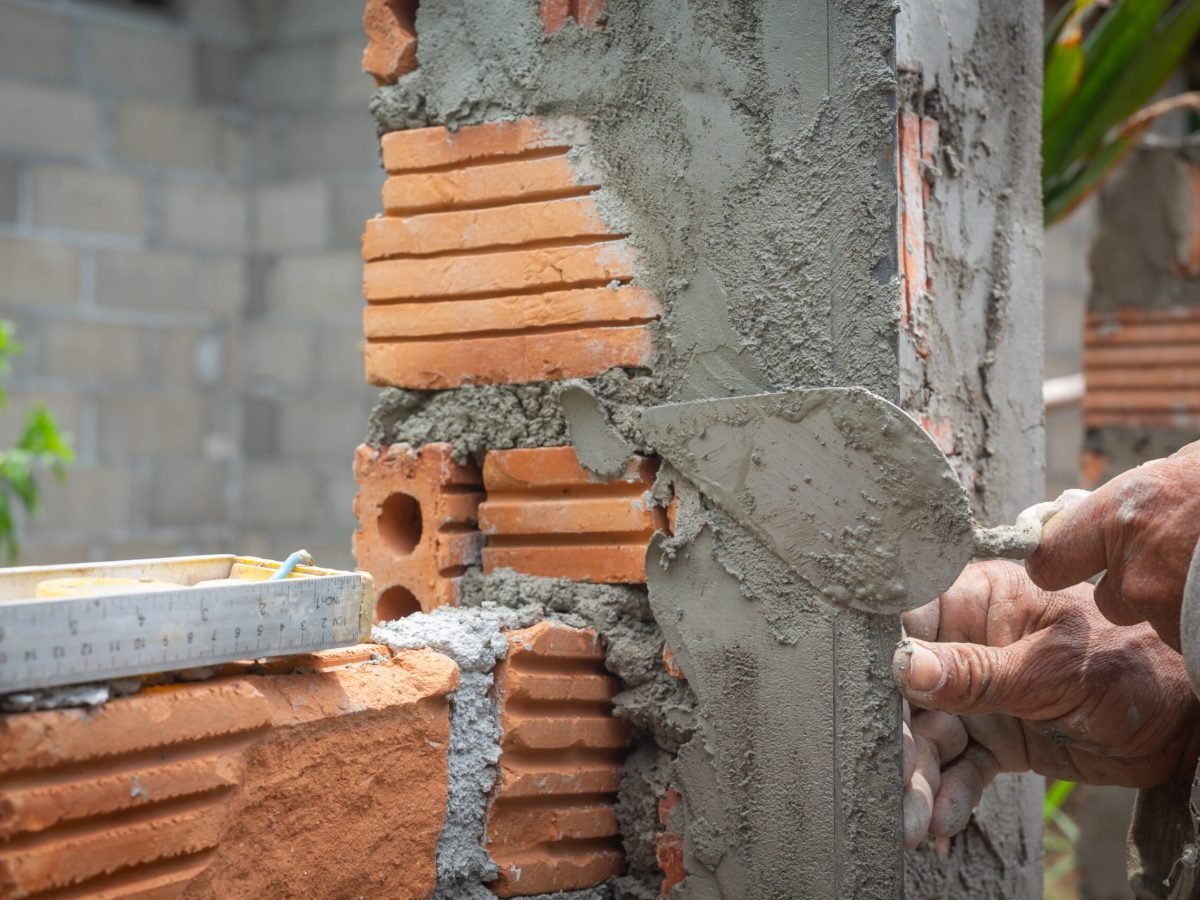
(601, 449)
(748, 147)
(474, 639)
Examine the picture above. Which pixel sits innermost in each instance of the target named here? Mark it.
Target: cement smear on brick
(602, 449)
(474, 639)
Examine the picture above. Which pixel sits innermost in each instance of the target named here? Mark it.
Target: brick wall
(181, 198)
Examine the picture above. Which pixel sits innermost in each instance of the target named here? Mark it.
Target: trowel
(842, 485)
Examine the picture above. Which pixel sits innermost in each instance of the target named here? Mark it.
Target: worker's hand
(1041, 681)
(1140, 529)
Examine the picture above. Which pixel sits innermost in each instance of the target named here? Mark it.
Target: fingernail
(924, 669)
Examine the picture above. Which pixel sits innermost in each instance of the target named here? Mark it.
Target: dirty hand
(1040, 681)
(1140, 529)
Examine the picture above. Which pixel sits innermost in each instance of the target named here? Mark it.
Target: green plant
(1060, 837)
(41, 446)
(1103, 63)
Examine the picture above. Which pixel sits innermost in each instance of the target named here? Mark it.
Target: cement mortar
(601, 449)
(474, 639)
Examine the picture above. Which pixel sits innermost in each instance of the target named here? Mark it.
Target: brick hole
(396, 603)
(400, 524)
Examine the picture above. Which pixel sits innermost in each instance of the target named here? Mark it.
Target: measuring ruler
(60, 641)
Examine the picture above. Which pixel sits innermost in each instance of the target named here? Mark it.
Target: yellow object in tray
(96, 586)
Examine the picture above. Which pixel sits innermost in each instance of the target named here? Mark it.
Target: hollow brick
(546, 515)
(214, 788)
(494, 265)
(552, 823)
(417, 533)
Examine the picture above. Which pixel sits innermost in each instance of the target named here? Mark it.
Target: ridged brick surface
(1142, 367)
(417, 532)
(493, 263)
(217, 788)
(552, 825)
(546, 515)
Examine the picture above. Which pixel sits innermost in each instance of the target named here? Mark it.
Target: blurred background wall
(182, 189)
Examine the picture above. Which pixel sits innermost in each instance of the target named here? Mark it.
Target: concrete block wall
(181, 196)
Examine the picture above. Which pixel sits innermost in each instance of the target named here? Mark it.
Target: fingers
(962, 787)
(1073, 546)
(919, 793)
(970, 679)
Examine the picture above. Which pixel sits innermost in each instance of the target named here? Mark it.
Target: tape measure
(51, 642)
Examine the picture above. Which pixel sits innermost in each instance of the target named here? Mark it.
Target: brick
(291, 76)
(213, 788)
(222, 19)
(165, 134)
(35, 43)
(147, 279)
(147, 423)
(546, 515)
(292, 216)
(8, 190)
(496, 227)
(49, 120)
(317, 144)
(561, 744)
(219, 74)
(92, 351)
(261, 427)
(669, 844)
(518, 181)
(317, 284)
(1142, 368)
(391, 31)
(88, 200)
(317, 18)
(207, 217)
(427, 148)
(416, 512)
(329, 436)
(275, 354)
(188, 493)
(586, 13)
(94, 500)
(196, 357)
(587, 265)
(507, 360)
(37, 273)
(143, 61)
(277, 495)
(556, 309)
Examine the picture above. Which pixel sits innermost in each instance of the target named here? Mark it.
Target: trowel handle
(1019, 540)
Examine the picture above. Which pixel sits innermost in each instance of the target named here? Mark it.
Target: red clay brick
(555, 13)
(416, 533)
(391, 31)
(492, 227)
(419, 149)
(510, 359)
(552, 825)
(1142, 368)
(195, 790)
(669, 845)
(547, 515)
(494, 264)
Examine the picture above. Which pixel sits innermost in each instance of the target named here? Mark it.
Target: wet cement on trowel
(748, 149)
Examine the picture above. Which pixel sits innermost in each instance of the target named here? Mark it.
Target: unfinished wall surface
(742, 160)
(181, 195)
(971, 348)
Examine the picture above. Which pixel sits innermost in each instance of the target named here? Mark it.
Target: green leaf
(1063, 197)
(1160, 54)
(1116, 40)
(8, 531)
(1056, 795)
(1064, 70)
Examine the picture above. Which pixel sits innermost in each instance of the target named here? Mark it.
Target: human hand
(1140, 529)
(1041, 681)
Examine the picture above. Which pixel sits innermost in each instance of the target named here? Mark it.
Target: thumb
(963, 679)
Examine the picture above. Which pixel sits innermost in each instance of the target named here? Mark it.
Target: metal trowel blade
(842, 485)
